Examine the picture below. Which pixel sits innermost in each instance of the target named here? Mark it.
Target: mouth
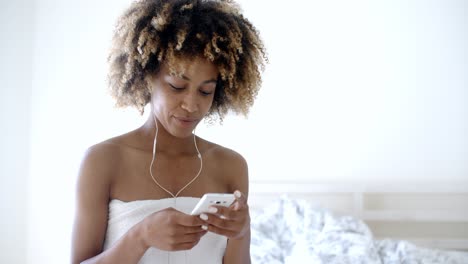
(186, 121)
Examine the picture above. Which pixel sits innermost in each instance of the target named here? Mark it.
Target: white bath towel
(124, 215)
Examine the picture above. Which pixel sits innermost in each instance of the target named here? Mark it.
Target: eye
(176, 88)
(207, 90)
(205, 93)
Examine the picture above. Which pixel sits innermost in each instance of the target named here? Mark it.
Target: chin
(183, 130)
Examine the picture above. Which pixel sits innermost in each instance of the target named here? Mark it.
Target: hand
(171, 230)
(232, 222)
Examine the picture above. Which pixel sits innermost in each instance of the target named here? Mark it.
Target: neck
(166, 143)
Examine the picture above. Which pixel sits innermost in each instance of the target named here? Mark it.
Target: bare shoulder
(108, 153)
(232, 165)
(225, 156)
(100, 163)
(103, 151)
(101, 158)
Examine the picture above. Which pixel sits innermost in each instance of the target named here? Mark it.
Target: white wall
(359, 91)
(71, 111)
(15, 123)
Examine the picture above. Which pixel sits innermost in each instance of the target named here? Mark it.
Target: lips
(186, 120)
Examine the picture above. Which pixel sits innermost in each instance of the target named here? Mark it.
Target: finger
(188, 220)
(237, 206)
(175, 239)
(221, 231)
(177, 231)
(192, 229)
(240, 202)
(226, 224)
(221, 211)
(240, 197)
(189, 238)
(231, 213)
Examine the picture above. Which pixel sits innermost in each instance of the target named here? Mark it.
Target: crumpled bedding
(294, 231)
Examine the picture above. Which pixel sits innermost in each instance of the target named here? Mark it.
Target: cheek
(211, 102)
(209, 106)
(165, 104)
(207, 101)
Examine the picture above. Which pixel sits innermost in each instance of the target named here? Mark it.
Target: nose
(190, 103)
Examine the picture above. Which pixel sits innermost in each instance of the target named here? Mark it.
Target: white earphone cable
(154, 157)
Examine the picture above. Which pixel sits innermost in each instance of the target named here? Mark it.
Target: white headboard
(434, 216)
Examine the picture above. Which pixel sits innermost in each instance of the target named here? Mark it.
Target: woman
(188, 60)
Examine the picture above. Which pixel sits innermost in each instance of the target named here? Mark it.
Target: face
(181, 102)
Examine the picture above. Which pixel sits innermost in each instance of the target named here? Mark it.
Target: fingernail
(237, 194)
(212, 210)
(204, 227)
(223, 217)
(204, 217)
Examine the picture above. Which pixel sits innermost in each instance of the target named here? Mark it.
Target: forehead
(195, 67)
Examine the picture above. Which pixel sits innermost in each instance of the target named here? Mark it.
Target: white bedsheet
(293, 231)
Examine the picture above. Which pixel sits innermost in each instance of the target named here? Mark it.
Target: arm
(238, 249)
(236, 225)
(92, 198)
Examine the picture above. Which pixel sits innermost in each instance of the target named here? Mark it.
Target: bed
(309, 223)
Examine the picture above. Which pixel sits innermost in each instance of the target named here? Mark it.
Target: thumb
(240, 202)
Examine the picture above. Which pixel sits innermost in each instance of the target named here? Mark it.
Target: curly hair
(152, 32)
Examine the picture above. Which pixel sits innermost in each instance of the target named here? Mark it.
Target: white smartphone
(209, 199)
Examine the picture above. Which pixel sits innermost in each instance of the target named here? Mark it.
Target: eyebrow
(205, 82)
